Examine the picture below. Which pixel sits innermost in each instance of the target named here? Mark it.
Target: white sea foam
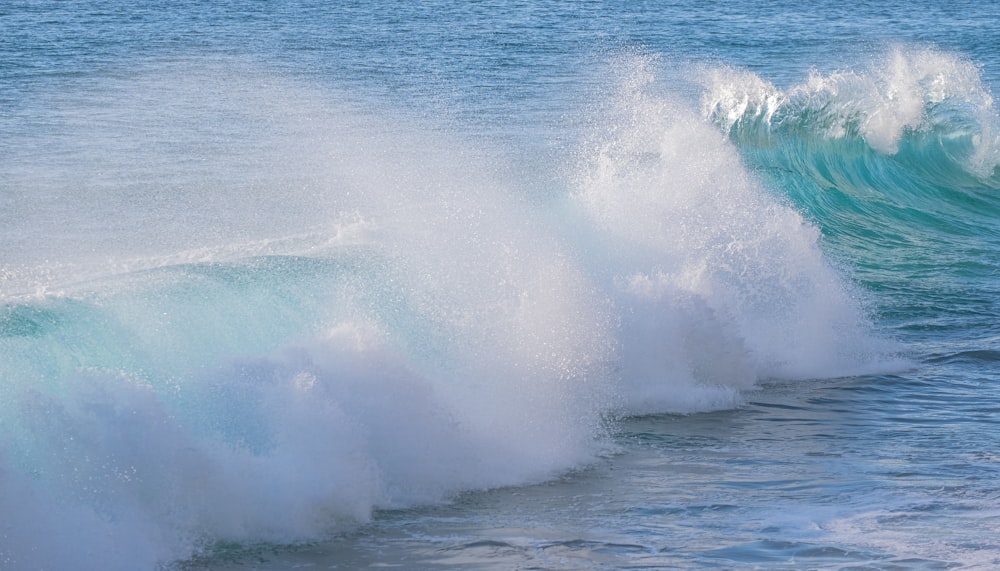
(448, 335)
(716, 284)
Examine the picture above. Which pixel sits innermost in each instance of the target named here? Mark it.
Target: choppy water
(526, 285)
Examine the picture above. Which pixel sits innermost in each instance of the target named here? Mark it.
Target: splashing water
(246, 330)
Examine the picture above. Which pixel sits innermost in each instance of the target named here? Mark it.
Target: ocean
(499, 285)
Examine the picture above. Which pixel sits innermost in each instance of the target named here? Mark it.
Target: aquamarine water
(521, 285)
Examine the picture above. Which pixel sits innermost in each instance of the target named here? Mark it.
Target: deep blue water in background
(591, 285)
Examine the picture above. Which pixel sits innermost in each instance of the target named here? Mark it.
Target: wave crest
(907, 97)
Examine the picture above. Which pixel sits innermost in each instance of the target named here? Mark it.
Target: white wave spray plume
(340, 311)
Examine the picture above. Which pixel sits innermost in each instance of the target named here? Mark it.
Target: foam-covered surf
(713, 276)
(360, 311)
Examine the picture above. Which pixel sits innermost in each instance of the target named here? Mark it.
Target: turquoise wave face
(898, 165)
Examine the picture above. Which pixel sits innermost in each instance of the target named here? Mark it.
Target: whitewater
(276, 293)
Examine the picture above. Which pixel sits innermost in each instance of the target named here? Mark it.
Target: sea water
(499, 285)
